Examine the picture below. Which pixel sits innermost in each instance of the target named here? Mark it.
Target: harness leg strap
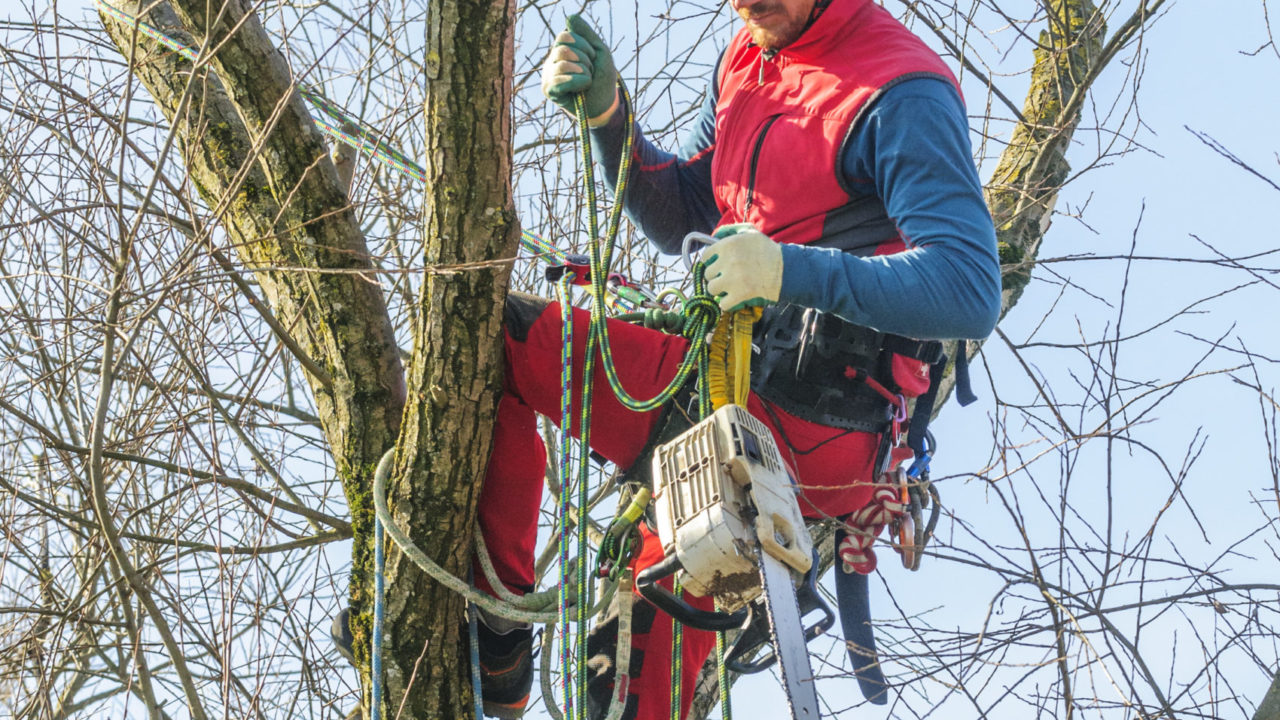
(854, 600)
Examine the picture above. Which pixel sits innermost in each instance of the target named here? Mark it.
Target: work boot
(506, 661)
(506, 665)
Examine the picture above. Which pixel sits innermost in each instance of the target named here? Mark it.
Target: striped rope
(588, 376)
(566, 444)
(473, 640)
(702, 314)
(722, 678)
(701, 310)
(677, 659)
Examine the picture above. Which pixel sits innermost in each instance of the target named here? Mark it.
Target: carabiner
(689, 240)
(622, 286)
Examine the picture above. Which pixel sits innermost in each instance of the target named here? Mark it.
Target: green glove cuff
(725, 231)
(753, 302)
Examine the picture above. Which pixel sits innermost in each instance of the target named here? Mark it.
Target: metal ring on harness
(906, 526)
(633, 292)
(666, 601)
(898, 409)
(918, 495)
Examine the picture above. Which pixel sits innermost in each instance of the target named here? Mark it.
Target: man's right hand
(580, 62)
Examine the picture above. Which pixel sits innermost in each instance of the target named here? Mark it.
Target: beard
(771, 27)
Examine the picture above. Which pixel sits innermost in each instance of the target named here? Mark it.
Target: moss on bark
(456, 373)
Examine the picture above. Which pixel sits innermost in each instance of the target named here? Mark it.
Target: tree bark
(455, 376)
(1023, 190)
(256, 157)
(1269, 709)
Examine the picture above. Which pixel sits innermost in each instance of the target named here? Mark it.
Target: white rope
(522, 608)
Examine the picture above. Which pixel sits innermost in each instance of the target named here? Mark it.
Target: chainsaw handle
(686, 614)
(757, 633)
(736, 661)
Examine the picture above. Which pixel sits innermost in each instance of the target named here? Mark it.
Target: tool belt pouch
(803, 361)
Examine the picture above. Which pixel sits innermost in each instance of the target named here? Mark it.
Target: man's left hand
(744, 269)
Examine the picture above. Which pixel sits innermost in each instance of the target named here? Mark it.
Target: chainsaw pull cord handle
(663, 599)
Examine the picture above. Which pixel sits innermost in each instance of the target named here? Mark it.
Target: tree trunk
(455, 376)
(1024, 188)
(1269, 709)
(254, 153)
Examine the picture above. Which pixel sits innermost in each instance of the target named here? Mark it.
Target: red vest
(781, 123)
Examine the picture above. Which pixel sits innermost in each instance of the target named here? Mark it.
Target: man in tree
(832, 154)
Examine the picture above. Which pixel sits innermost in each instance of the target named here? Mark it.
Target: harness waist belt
(800, 359)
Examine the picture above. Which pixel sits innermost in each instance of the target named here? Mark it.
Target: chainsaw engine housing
(721, 489)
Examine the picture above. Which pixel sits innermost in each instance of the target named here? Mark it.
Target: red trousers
(833, 467)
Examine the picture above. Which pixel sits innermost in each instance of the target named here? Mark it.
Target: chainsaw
(730, 524)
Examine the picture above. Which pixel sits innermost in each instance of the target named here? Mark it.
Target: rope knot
(701, 312)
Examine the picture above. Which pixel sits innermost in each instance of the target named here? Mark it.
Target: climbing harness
(821, 368)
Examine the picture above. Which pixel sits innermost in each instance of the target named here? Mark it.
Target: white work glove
(744, 269)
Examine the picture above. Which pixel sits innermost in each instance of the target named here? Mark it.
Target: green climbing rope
(722, 678)
(677, 659)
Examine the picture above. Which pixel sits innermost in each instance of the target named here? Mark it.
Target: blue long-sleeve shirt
(911, 149)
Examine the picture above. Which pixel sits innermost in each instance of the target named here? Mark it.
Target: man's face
(774, 24)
